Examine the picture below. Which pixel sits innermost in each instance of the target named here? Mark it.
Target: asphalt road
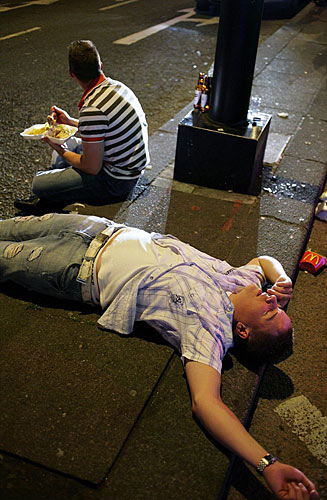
(161, 66)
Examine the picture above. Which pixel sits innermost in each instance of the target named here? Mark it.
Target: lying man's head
(262, 330)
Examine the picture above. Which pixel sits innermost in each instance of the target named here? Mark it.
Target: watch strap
(265, 462)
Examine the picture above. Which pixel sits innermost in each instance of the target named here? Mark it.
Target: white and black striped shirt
(111, 112)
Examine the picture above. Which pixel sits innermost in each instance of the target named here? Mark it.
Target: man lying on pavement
(199, 304)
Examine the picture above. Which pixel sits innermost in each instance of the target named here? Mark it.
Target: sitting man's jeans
(44, 254)
(64, 183)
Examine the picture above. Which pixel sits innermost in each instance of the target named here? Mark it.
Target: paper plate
(57, 140)
(28, 135)
(44, 132)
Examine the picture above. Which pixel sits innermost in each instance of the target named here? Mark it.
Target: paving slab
(323, 87)
(258, 239)
(296, 66)
(309, 50)
(286, 125)
(212, 225)
(298, 169)
(288, 82)
(75, 391)
(23, 480)
(283, 101)
(167, 455)
(269, 48)
(310, 141)
(276, 145)
(318, 108)
(315, 31)
(294, 212)
(159, 457)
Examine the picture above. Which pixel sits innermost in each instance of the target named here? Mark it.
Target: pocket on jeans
(70, 288)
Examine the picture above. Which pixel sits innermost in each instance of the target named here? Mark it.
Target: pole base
(220, 157)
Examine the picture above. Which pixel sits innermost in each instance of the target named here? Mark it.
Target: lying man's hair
(262, 347)
(84, 60)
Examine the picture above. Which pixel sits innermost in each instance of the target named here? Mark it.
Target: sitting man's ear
(242, 330)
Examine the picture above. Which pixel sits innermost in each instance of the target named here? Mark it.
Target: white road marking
(117, 5)
(19, 33)
(307, 422)
(35, 2)
(203, 22)
(128, 40)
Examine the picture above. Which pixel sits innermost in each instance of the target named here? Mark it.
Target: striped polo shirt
(110, 112)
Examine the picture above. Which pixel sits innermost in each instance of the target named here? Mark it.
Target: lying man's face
(260, 311)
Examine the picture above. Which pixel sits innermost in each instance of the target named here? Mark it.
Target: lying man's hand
(289, 483)
(283, 289)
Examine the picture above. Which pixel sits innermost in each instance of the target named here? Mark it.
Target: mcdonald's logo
(312, 261)
(312, 257)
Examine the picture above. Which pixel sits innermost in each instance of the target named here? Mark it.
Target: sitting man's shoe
(28, 205)
(36, 206)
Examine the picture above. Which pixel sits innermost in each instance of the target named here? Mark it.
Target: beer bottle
(205, 96)
(198, 91)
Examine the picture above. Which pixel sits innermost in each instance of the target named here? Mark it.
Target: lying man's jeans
(43, 254)
(65, 183)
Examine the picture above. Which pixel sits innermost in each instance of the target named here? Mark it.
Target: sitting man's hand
(60, 115)
(283, 289)
(60, 148)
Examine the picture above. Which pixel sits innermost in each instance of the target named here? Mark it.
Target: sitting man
(199, 304)
(107, 161)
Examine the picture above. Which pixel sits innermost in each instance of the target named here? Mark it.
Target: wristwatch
(265, 462)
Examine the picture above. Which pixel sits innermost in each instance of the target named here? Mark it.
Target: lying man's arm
(204, 381)
(275, 274)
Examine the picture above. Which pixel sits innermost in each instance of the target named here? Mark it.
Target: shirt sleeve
(254, 274)
(233, 279)
(203, 348)
(93, 125)
(210, 336)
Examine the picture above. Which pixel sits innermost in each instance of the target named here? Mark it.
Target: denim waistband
(85, 274)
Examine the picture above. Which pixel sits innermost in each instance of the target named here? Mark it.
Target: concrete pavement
(88, 414)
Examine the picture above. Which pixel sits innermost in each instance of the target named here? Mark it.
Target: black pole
(237, 43)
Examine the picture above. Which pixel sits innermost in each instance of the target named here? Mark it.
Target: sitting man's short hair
(84, 60)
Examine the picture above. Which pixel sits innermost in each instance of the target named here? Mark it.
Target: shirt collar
(93, 83)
